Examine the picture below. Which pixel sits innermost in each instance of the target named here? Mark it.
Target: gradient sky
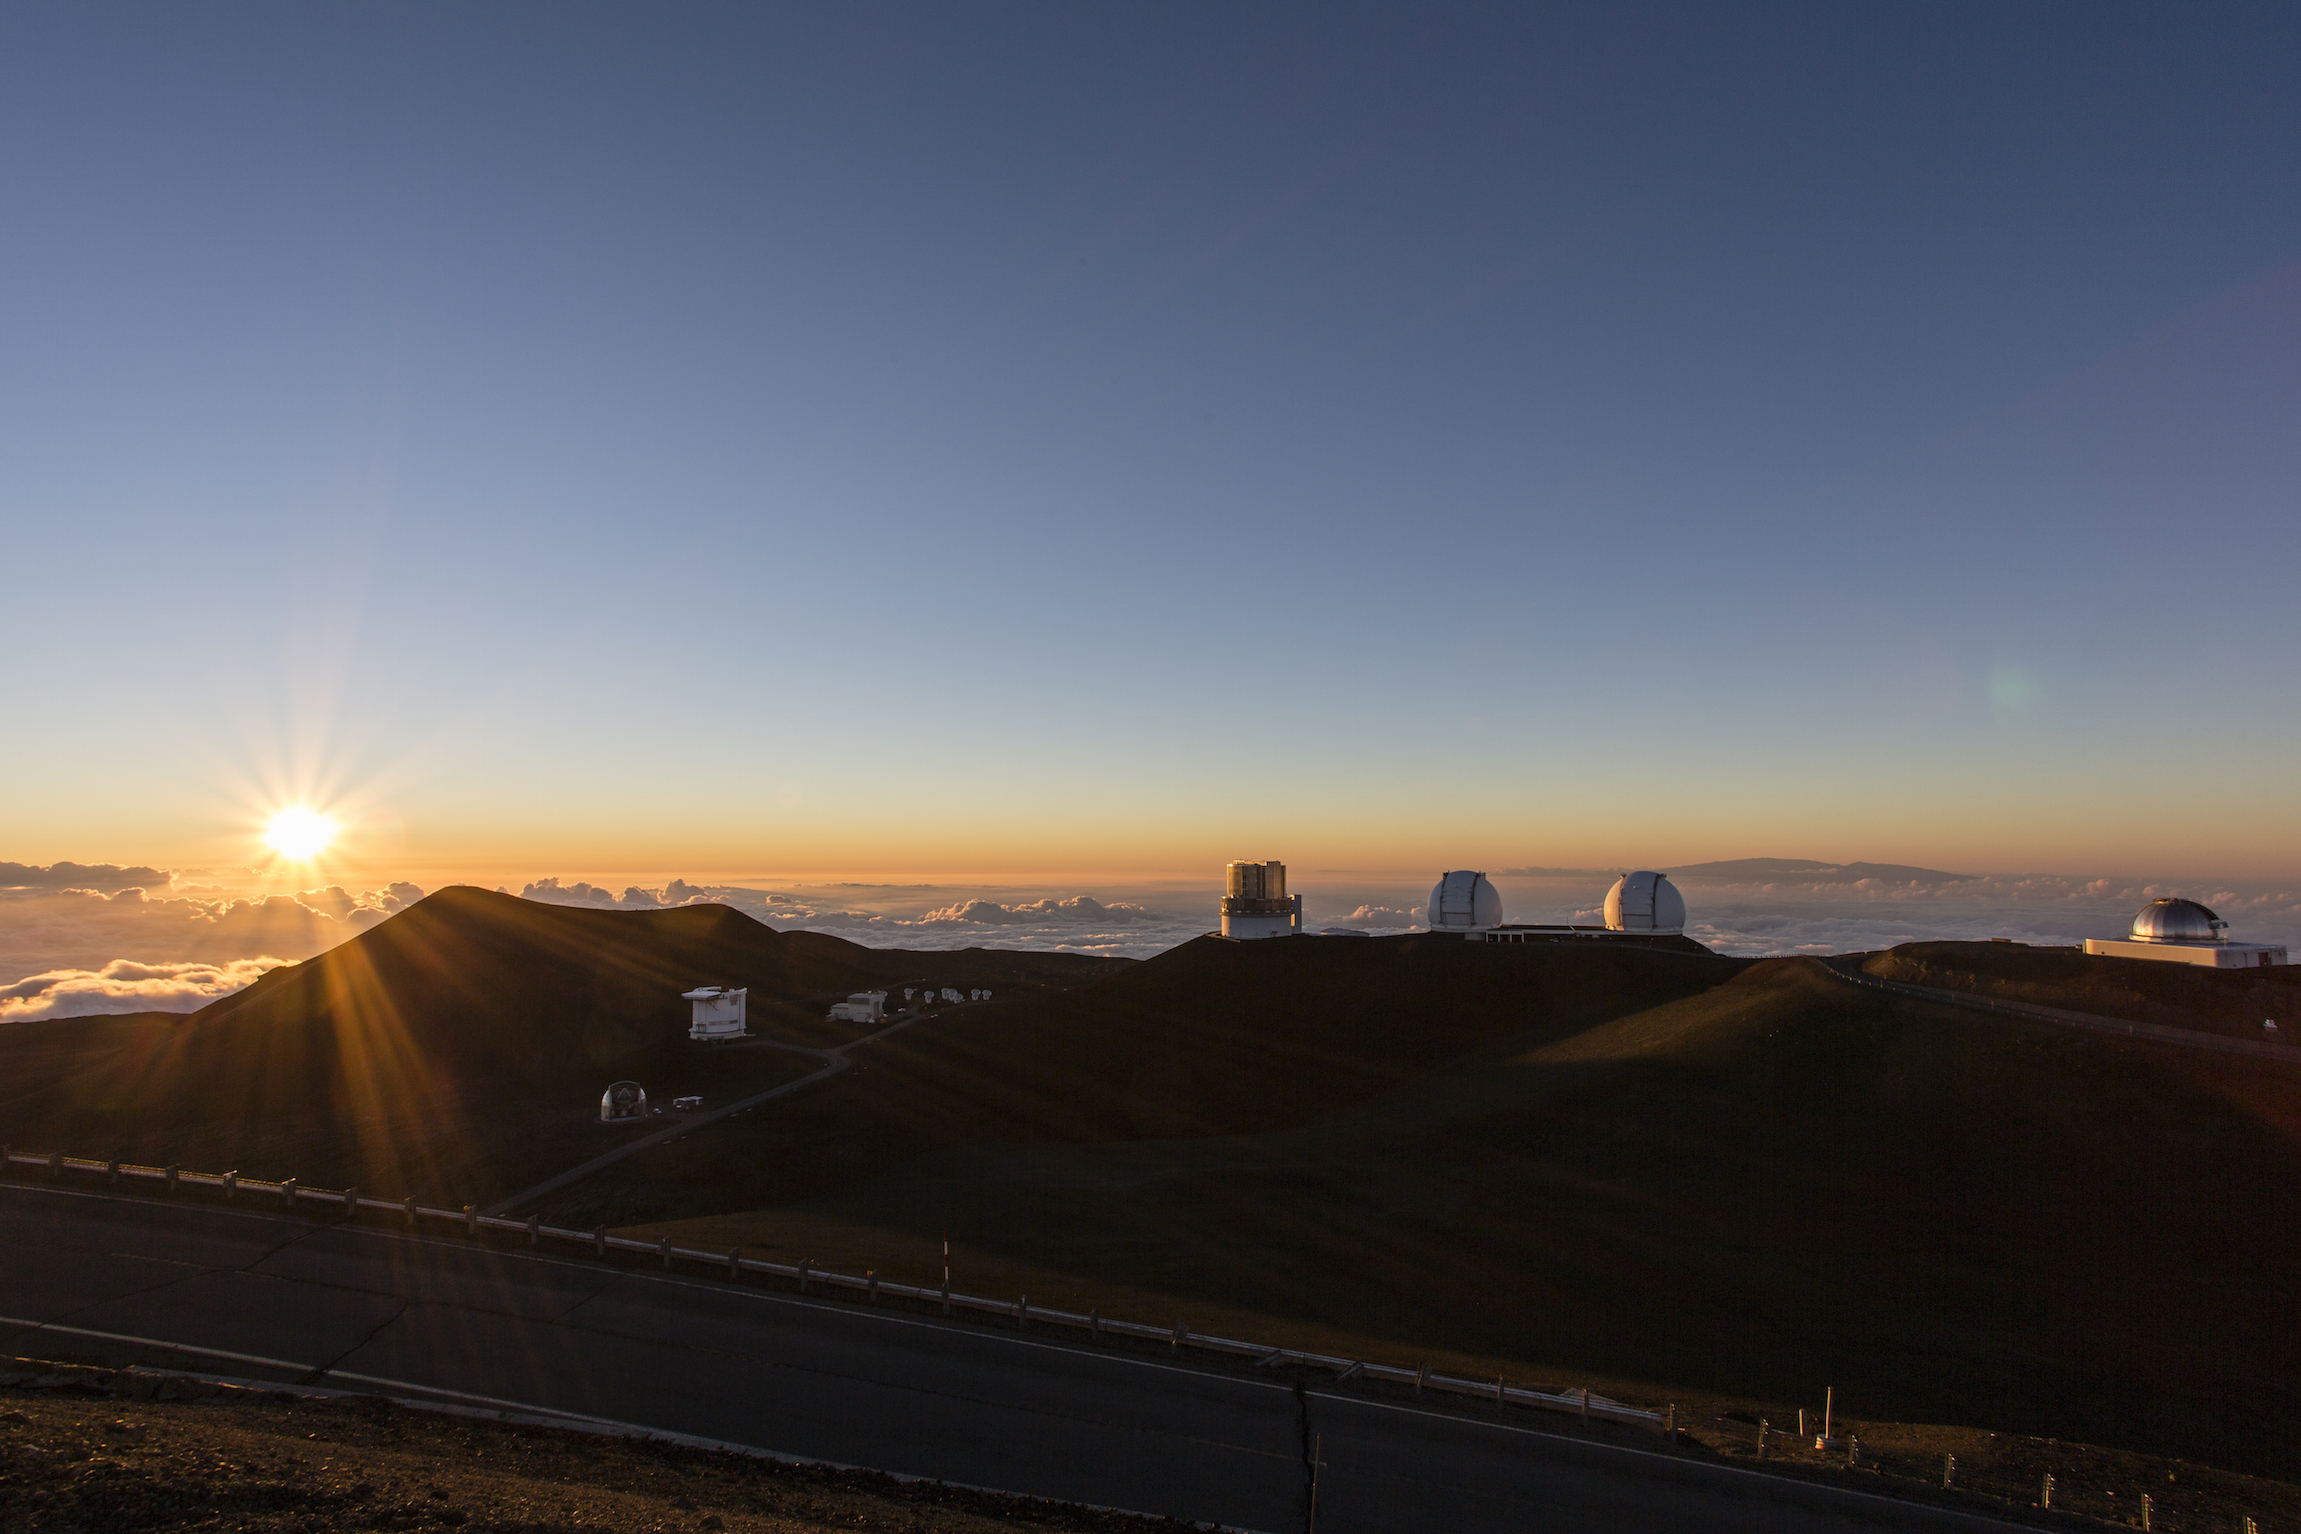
(999, 437)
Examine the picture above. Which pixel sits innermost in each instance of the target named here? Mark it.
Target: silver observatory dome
(1645, 901)
(1463, 901)
(2167, 920)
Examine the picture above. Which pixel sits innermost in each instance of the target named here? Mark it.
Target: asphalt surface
(262, 1296)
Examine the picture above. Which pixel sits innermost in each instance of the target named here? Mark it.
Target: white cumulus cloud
(127, 986)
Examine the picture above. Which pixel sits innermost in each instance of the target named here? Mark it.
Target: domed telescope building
(1641, 904)
(1645, 902)
(1463, 901)
(1255, 902)
(2174, 931)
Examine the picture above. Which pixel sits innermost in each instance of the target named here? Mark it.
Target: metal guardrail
(292, 1194)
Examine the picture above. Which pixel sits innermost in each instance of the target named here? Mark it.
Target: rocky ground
(103, 1452)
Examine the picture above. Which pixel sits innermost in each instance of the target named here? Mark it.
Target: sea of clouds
(64, 930)
(62, 943)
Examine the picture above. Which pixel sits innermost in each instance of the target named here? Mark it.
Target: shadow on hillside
(1758, 1187)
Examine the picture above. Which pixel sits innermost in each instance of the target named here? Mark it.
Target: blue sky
(868, 438)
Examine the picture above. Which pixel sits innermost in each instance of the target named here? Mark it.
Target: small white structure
(622, 1103)
(1645, 901)
(862, 1007)
(1464, 901)
(951, 995)
(718, 1013)
(2183, 932)
(1255, 902)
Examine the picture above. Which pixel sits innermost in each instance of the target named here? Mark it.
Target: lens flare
(299, 833)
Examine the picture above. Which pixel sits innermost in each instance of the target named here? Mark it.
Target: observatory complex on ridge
(1641, 904)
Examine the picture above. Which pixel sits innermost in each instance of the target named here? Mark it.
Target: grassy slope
(2232, 1002)
(1687, 1173)
(456, 1050)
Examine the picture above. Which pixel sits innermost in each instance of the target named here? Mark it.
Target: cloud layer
(126, 986)
(76, 940)
(104, 878)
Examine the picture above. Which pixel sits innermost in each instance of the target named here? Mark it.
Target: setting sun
(300, 833)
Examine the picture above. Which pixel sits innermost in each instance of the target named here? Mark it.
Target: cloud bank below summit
(1074, 924)
(126, 986)
(78, 951)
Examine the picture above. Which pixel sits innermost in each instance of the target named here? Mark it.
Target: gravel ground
(96, 1451)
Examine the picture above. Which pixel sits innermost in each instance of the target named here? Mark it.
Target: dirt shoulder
(94, 1449)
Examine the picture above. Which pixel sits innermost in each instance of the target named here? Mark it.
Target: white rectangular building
(718, 1013)
(2203, 955)
(862, 1007)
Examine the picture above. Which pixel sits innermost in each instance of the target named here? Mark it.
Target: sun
(300, 834)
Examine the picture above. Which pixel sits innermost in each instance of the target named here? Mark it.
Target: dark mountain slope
(459, 1020)
(2227, 1001)
(1762, 1186)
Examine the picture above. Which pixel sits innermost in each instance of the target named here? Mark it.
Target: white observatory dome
(1645, 902)
(1462, 901)
(2177, 921)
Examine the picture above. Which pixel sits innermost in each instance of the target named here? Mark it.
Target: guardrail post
(599, 1241)
(1421, 1378)
(806, 1268)
(55, 1164)
(351, 1203)
(666, 1251)
(174, 1171)
(1095, 1325)
(1761, 1438)
(112, 1170)
(288, 1193)
(1585, 1406)
(411, 1211)
(1949, 1478)
(231, 1184)
(871, 1284)
(471, 1221)
(734, 1264)
(1670, 1422)
(535, 1230)
(1497, 1390)
(1023, 1313)
(1174, 1343)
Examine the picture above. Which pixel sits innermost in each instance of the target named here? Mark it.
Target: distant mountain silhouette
(1806, 871)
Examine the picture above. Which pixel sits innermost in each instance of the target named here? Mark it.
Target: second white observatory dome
(1645, 902)
(1463, 901)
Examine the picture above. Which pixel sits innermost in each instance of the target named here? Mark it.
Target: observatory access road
(230, 1292)
(834, 1061)
(1847, 967)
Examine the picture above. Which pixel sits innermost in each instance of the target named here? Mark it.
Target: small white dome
(2166, 920)
(1463, 901)
(1645, 902)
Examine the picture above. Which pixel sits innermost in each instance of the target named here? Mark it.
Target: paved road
(1847, 967)
(262, 1296)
